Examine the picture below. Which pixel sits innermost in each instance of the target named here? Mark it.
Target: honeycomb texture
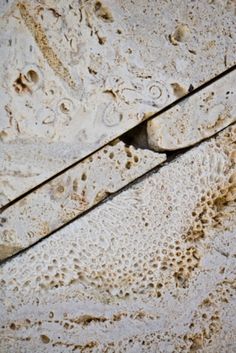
(75, 191)
(152, 270)
(76, 74)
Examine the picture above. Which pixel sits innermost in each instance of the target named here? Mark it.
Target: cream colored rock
(152, 270)
(76, 75)
(72, 193)
(195, 118)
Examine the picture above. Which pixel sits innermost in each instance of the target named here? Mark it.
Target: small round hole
(32, 76)
(83, 177)
(128, 165)
(64, 108)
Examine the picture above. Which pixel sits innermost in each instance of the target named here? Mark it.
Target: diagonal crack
(125, 136)
(171, 157)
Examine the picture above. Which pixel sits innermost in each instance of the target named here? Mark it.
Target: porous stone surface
(75, 191)
(76, 74)
(152, 270)
(195, 118)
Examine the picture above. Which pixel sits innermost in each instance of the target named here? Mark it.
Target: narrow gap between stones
(171, 157)
(126, 137)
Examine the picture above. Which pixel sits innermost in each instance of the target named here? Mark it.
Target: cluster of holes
(140, 261)
(205, 324)
(210, 210)
(225, 291)
(226, 141)
(211, 325)
(181, 262)
(25, 83)
(206, 320)
(120, 272)
(132, 159)
(69, 322)
(228, 93)
(142, 277)
(63, 189)
(155, 341)
(206, 316)
(209, 321)
(134, 277)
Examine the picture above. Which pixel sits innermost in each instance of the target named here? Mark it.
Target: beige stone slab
(152, 270)
(195, 118)
(72, 193)
(76, 75)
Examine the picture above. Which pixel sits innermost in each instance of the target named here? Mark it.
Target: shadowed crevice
(134, 136)
(171, 157)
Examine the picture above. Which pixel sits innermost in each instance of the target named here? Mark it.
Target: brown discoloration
(219, 121)
(45, 228)
(76, 347)
(101, 40)
(9, 113)
(7, 250)
(101, 195)
(180, 35)
(181, 262)
(54, 12)
(211, 211)
(85, 320)
(178, 90)
(102, 12)
(60, 189)
(197, 342)
(45, 339)
(119, 316)
(20, 85)
(81, 198)
(75, 185)
(41, 39)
